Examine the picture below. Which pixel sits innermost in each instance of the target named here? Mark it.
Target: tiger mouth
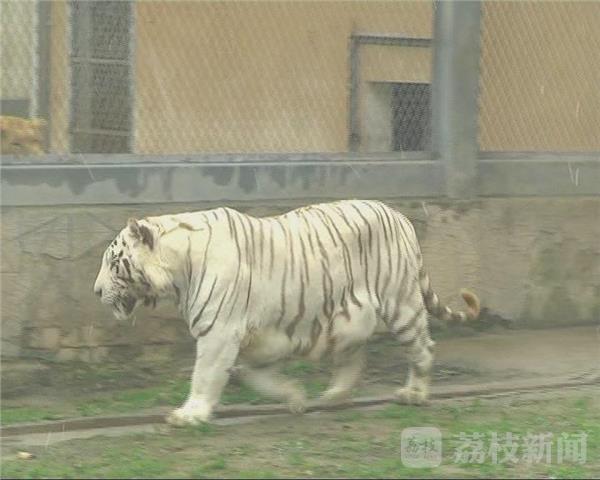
(123, 308)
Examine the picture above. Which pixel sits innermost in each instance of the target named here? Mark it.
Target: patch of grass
(314, 387)
(199, 430)
(211, 468)
(299, 368)
(242, 394)
(296, 459)
(408, 414)
(257, 474)
(123, 461)
(123, 402)
(140, 398)
(12, 415)
(568, 471)
(138, 467)
(367, 445)
(582, 404)
(162, 391)
(132, 400)
(391, 468)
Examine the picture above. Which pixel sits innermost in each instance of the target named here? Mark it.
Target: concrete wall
(534, 261)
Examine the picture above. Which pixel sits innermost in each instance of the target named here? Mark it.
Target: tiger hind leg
(347, 368)
(412, 333)
(351, 330)
(272, 383)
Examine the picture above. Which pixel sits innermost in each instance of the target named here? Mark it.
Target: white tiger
(254, 291)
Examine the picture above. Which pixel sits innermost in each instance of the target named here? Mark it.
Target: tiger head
(131, 271)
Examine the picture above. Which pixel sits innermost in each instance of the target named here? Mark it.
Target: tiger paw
(334, 397)
(297, 404)
(184, 416)
(411, 396)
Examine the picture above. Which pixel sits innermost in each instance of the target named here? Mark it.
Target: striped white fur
(254, 291)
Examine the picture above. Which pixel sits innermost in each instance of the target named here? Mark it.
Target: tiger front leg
(215, 355)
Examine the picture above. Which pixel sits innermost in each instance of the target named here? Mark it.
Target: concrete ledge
(40, 185)
(542, 174)
(135, 179)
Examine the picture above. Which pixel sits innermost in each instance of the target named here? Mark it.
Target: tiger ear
(141, 232)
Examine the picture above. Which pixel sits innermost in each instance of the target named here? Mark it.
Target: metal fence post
(44, 11)
(455, 92)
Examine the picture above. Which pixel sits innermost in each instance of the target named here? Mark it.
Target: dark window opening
(411, 116)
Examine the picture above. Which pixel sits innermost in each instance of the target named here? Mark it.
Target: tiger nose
(98, 288)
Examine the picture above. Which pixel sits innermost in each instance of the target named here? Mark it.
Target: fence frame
(44, 76)
(356, 41)
(456, 169)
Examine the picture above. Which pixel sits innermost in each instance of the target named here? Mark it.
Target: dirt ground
(498, 355)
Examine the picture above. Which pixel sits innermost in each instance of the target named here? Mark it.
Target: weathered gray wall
(532, 260)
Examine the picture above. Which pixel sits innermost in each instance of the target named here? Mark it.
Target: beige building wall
(59, 78)
(253, 76)
(540, 76)
(274, 76)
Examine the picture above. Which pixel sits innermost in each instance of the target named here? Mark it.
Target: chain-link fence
(252, 77)
(196, 77)
(18, 60)
(540, 71)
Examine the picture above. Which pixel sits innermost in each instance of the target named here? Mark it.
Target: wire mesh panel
(101, 97)
(18, 64)
(263, 76)
(411, 116)
(540, 72)
(215, 76)
(251, 77)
